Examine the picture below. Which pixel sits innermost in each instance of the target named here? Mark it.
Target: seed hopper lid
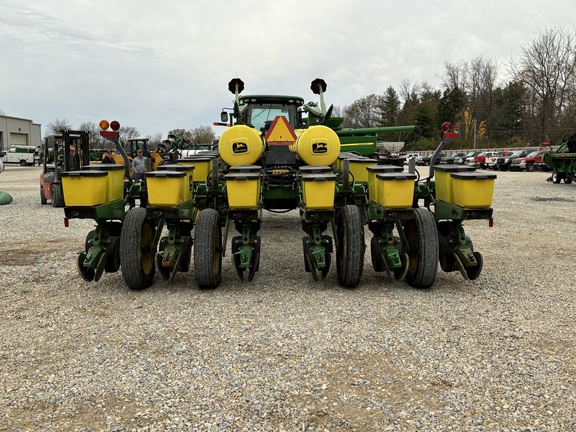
(84, 173)
(454, 168)
(165, 174)
(473, 176)
(396, 176)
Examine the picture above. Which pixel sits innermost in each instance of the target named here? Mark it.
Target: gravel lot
(285, 353)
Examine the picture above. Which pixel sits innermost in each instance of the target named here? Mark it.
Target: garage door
(18, 139)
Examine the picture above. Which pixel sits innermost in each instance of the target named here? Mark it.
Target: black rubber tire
(23, 163)
(56, 196)
(567, 179)
(43, 199)
(530, 167)
(423, 250)
(208, 249)
(136, 254)
(378, 263)
(556, 178)
(350, 250)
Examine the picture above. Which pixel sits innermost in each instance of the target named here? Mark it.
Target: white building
(19, 131)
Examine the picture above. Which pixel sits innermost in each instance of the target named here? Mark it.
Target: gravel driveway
(285, 353)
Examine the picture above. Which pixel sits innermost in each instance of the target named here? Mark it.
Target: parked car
(462, 160)
(491, 160)
(503, 162)
(411, 156)
(425, 160)
(479, 160)
(452, 158)
(528, 163)
(469, 160)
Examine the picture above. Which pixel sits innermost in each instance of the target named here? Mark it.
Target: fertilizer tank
(240, 145)
(317, 146)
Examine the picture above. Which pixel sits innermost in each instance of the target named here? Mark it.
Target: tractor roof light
(446, 126)
(104, 124)
(115, 125)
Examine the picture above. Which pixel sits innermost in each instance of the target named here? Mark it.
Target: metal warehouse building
(19, 131)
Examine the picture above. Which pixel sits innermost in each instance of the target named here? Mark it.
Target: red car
(530, 162)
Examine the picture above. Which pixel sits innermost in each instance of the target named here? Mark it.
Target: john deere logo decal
(239, 147)
(319, 147)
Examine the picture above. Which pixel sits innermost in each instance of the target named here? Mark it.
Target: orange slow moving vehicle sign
(280, 132)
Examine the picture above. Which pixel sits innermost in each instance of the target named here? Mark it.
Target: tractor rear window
(262, 116)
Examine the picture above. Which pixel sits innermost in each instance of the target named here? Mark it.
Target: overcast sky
(161, 65)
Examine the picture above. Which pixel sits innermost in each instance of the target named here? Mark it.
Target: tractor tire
(567, 179)
(556, 178)
(43, 199)
(56, 196)
(208, 249)
(423, 249)
(136, 254)
(350, 250)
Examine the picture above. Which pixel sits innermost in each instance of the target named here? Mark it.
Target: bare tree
(127, 132)
(547, 67)
(96, 141)
(57, 126)
(203, 135)
(364, 112)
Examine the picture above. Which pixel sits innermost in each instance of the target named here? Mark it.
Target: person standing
(108, 158)
(139, 166)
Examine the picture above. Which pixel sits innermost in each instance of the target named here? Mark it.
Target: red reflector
(491, 222)
(109, 134)
(450, 135)
(66, 222)
(115, 125)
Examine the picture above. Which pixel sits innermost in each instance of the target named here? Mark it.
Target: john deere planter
(280, 154)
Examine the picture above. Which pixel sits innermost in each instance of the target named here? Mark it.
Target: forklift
(67, 151)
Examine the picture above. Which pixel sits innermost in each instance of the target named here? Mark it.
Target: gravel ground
(285, 353)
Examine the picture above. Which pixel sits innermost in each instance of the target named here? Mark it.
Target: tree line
(535, 104)
(199, 135)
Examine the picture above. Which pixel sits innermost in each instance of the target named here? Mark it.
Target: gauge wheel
(136, 253)
(422, 249)
(208, 249)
